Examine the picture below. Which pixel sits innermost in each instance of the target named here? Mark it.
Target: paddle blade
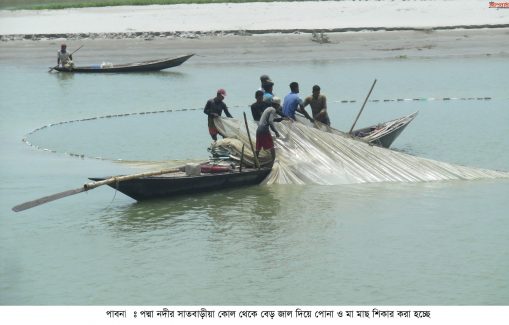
(46, 199)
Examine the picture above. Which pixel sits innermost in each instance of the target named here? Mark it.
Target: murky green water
(443, 243)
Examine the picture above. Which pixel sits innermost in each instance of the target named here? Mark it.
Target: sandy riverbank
(274, 48)
(260, 31)
(249, 18)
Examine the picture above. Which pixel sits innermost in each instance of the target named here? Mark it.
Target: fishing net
(312, 153)
(233, 148)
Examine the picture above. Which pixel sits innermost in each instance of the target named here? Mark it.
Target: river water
(430, 243)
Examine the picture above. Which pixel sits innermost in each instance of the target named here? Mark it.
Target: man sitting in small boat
(214, 108)
(64, 58)
(263, 136)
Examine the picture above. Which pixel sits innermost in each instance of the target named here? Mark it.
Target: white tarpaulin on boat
(308, 155)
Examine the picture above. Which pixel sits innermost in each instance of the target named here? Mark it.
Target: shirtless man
(318, 105)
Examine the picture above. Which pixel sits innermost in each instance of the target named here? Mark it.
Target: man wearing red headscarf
(214, 108)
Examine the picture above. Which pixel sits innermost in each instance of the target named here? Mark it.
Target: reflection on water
(165, 74)
(62, 76)
(219, 210)
(395, 244)
(148, 74)
(263, 210)
(332, 244)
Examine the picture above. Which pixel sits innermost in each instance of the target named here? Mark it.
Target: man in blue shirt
(293, 103)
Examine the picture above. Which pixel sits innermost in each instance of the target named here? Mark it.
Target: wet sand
(256, 17)
(273, 32)
(273, 48)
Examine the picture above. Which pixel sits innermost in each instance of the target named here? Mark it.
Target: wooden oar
(257, 163)
(365, 101)
(69, 55)
(90, 186)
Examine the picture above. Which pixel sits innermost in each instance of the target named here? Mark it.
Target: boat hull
(146, 66)
(165, 186)
(384, 134)
(387, 139)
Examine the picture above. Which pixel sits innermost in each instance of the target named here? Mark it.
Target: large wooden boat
(145, 66)
(209, 178)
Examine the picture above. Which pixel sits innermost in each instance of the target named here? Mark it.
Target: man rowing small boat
(64, 58)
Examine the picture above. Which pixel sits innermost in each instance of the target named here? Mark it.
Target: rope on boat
(424, 99)
(81, 155)
(343, 101)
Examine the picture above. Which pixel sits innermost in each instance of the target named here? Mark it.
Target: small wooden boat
(384, 134)
(381, 134)
(209, 178)
(145, 66)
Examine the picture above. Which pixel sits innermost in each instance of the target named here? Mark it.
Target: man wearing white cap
(214, 108)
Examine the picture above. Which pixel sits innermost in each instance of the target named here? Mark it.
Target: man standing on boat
(318, 105)
(214, 108)
(259, 106)
(267, 88)
(263, 79)
(64, 58)
(293, 103)
(263, 135)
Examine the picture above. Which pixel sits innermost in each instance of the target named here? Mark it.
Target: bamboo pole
(241, 158)
(90, 186)
(69, 55)
(257, 163)
(365, 101)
